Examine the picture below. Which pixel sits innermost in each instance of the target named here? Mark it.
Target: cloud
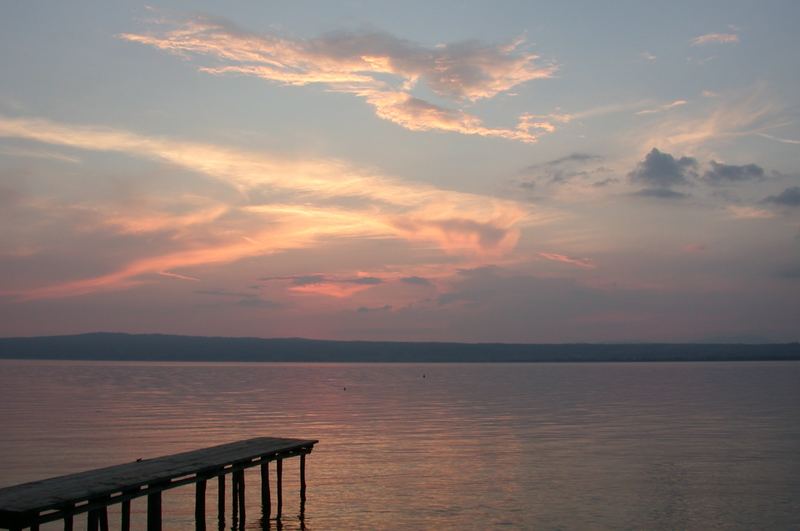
(660, 193)
(720, 173)
(779, 139)
(789, 197)
(751, 113)
(327, 285)
(748, 212)
(583, 263)
(38, 154)
(325, 199)
(662, 170)
(378, 67)
(367, 309)
(662, 108)
(647, 56)
(416, 281)
(715, 38)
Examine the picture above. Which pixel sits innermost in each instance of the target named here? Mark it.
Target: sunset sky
(468, 171)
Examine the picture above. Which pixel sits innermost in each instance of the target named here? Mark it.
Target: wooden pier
(93, 491)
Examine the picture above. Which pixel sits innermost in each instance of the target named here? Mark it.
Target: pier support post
(302, 485)
(68, 522)
(154, 511)
(125, 516)
(279, 481)
(239, 476)
(102, 516)
(92, 520)
(234, 500)
(200, 506)
(266, 502)
(221, 499)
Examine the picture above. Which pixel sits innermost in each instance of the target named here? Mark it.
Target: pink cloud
(378, 67)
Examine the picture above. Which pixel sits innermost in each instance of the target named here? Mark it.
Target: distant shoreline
(161, 347)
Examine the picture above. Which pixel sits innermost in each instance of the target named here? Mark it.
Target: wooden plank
(57, 492)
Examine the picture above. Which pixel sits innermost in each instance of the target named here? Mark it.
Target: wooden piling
(234, 501)
(279, 487)
(102, 516)
(302, 485)
(68, 522)
(200, 505)
(240, 480)
(266, 502)
(125, 516)
(92, 521)
(154, 511)
(221, 499)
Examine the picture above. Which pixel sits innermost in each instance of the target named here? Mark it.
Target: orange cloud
(378, 67)
(715, 38)
(455, 222)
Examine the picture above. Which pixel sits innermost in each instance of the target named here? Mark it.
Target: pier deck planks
(32, 498)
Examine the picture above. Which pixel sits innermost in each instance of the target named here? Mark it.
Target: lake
(437, 446)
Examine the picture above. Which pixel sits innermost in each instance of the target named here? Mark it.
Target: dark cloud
(574, 157)
(258, 302)
(605, 182)
(364, 281)
(791, 272)
(308, 280)
(222, 293)
(249, 300)
(729, 173)
(789, 197)
(416, 281)
(367, 309)
(661, 170)
(661, 193)
(567, 159)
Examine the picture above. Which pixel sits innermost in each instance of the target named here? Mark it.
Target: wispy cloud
(750, 113)
(378, 67)
(748, 212)
(662, 108)
(779, 139)
(715, 38)
(320, 206)
(583, 263)
(37, 154)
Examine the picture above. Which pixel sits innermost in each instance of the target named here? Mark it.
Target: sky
(448, 171)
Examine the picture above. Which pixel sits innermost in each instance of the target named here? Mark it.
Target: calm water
(527, 446)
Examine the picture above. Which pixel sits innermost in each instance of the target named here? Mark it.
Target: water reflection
(648, 446)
